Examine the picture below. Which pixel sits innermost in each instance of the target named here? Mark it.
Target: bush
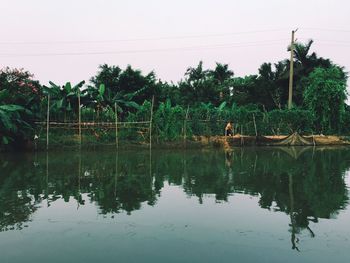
(290, 121)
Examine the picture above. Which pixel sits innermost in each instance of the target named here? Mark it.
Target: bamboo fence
(80, 125)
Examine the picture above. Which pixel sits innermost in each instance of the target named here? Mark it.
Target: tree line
(214, 95)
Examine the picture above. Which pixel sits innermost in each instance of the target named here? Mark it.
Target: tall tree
(207, 86)
(305, 63)
(222, 77)
(119, 82)
(21, 88)
(325, 96)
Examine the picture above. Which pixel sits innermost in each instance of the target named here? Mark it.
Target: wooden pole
(256, 131)
(150, 168)
(116, 174)
(79, 118)
(185, 124)
(79, 183)
(48, 122)
(291, 71)
(47, 179)
(291, 212)
(116, 124)
(150, 124)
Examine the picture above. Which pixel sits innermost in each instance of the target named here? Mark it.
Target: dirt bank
(291, 140)
(197, 142)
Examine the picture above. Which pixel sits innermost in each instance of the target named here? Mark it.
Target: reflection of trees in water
(206, 174)
(305, 184)
(307, 187)
(16, 199)
(27, 182)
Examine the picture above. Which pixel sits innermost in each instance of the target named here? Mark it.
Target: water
(248, 205)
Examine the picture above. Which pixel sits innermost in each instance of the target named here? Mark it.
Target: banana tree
(64, 99)
(101, 98)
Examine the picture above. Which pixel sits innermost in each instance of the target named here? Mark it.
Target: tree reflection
(305, 183)
(307, 186)
(18, 201)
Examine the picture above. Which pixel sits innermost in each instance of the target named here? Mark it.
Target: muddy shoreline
(202, 142)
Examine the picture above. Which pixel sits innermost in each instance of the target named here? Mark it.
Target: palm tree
(221, 73)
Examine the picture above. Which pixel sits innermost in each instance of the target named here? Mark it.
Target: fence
(143, 126)
(172, 123)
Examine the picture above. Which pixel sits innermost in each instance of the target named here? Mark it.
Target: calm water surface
(247, 205)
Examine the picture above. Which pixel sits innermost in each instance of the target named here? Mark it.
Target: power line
(163, 38)
(190, 48)
(326, 29)
(328, 42)
(136, 39)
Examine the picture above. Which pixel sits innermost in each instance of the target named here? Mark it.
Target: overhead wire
(170, 49)
(188, 48)
(326, 29)
(136, 39)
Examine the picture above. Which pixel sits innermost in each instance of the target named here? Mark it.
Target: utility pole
(291, 71)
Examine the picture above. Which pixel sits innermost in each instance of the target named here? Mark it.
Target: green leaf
(222, 106)
(68, 87)
(5, 120)
(79, 85)
(102, 89)
(11, 107)
(59, 104)
(168, 104)
(5, 140)
(54, 85)
(3, 95)
(132, 104)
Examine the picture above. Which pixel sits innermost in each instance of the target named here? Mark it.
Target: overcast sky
(66, 40)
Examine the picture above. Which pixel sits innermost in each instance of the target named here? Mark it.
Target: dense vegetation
(208, 97)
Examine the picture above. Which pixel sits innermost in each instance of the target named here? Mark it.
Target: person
(229, 129)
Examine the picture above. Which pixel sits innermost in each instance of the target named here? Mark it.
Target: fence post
(150, 124)
(185, 124)
(48, 121)
(116, 124)
(116, 174)
(256, 131)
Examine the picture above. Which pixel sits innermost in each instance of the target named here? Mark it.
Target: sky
(66, 40)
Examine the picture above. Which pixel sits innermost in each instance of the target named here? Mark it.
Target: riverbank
(280, 140)
(195, 142)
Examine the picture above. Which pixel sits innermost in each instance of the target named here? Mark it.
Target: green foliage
(17, 87)
(290, 121)
(206, 86)
(117, 83)
(63, 99)
(13, 127)
(168, 121)
(325, 96)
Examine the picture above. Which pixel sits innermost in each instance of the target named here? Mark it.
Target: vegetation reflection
(305, 183)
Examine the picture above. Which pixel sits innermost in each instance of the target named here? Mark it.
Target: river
(245, 205)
